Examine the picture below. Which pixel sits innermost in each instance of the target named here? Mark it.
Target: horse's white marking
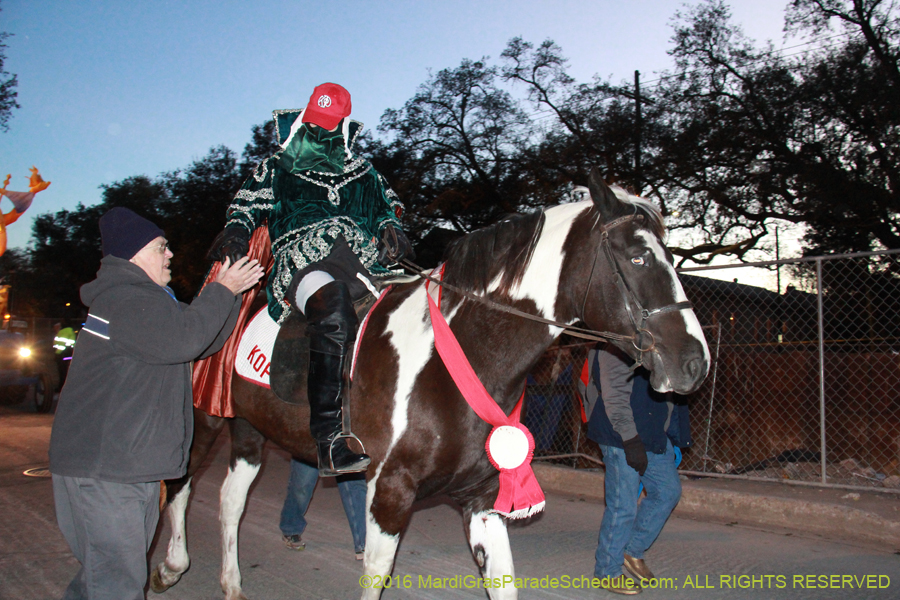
(177, 560)
(232, 498)
(380, 546)
(413, 340)
(488, 530)
(691, 323)
(540, 281)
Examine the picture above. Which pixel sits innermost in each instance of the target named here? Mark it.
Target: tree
(597, 124)
(8, 84)
(193, 213)
(65, 246)
(736, 137)
(452, 158)
(578, 126)
(263, 144)
(188, 204)
(65, 255)
(15, 271)
(811, 139)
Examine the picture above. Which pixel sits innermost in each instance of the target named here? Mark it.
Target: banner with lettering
(254, 354)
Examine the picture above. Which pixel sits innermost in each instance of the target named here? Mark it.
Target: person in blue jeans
(636, 428)
(301, 485)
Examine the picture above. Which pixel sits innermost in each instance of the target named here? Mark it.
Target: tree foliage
(454, 149)
(734, 139)
(756, 136)
(8, 83)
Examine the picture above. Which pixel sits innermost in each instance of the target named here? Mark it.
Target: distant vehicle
(28, 368)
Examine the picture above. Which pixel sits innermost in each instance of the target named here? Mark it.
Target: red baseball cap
(328, 104)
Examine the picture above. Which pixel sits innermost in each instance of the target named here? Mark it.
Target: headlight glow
(24, 352)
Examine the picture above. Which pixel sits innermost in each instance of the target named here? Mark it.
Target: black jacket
(125, 413)
(628, 406)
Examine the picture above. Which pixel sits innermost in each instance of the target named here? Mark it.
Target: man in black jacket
(124, 420)
(637, 429)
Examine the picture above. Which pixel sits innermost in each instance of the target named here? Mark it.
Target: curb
(711, 504)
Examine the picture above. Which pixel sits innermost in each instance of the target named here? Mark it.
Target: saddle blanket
(253, 360)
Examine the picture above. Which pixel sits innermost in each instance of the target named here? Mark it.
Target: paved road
(35, 563)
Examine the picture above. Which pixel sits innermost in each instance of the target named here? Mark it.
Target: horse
(599, 262)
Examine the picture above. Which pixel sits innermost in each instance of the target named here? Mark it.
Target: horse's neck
(502, 349)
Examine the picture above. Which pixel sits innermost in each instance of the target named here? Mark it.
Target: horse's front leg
(489, 542)
(232, 499)
(167, 573)
(388, 509)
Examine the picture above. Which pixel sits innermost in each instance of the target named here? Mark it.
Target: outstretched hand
(240, 276)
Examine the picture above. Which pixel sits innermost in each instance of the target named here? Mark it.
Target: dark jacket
(628, 406)
(125, 413)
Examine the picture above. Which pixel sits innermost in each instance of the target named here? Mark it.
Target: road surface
(553, 553)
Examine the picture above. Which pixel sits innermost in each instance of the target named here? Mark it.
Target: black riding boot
(331, 325)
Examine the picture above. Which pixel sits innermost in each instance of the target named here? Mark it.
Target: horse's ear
(604, 198)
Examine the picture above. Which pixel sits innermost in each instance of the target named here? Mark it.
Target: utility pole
(637, 132)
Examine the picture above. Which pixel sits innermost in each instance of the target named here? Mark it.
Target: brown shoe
(638, 568)
(293, 542)
(621, 585)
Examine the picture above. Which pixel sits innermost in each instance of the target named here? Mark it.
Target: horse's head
(633, 290)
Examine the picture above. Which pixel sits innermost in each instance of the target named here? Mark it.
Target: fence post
(712, 395)
(821, 319)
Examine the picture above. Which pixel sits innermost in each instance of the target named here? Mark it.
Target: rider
(326, 210)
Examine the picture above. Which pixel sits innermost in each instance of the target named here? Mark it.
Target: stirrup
(360, 466)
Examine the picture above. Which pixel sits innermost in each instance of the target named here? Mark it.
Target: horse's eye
(638, 261)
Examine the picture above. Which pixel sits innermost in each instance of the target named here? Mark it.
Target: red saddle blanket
(212, 375)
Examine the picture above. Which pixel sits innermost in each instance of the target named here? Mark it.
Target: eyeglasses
(161, 248)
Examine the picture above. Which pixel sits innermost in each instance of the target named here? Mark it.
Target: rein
(588, 334)
(628, 296)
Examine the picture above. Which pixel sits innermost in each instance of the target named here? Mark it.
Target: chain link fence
(804, 384)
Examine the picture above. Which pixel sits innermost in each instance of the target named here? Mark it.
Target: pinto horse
(600, 262)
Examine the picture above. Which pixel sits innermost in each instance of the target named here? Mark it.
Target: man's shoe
(638, 568)
(293, 542)
(620, 585)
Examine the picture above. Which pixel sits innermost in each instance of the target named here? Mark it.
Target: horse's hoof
(156, 582)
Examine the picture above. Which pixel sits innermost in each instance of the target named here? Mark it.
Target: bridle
(625, 290)
(627, 293)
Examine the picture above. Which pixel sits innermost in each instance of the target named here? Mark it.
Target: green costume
(309, 193)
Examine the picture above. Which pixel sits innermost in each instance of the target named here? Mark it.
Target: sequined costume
(306, 210)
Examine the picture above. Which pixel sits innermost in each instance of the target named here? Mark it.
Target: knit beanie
(124, 233)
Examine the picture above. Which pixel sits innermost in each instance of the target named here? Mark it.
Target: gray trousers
(109, 527)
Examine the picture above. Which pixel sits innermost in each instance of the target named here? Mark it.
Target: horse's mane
(503, 249)
(644, 207)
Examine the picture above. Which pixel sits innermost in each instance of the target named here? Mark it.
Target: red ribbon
(520, 493)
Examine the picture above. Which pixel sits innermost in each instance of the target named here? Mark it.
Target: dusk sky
(111, 89)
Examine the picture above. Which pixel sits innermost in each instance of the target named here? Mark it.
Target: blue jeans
(301, 485)
(625, 527)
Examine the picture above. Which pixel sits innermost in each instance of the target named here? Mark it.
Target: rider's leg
(331, 325)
